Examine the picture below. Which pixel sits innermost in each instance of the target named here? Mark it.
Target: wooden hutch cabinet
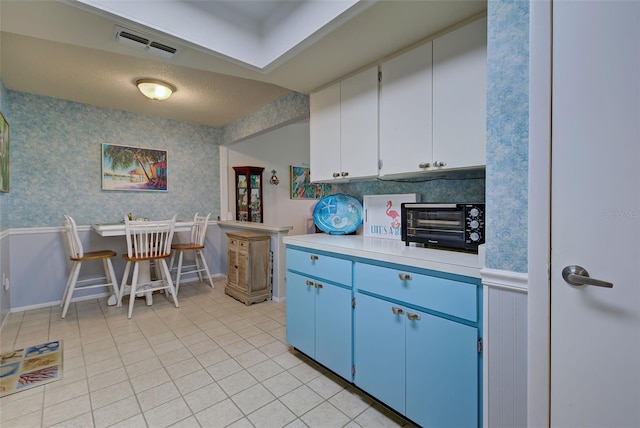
(248, 269)
(249, 193)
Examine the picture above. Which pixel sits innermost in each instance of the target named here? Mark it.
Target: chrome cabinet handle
(424, 165)
(314, 257)
(318, 285)
(309, 283)
(412, 316)
(397, 311)
(439, 163)
(336, 174)
(344, 173)
(577, 275)
(404, 277)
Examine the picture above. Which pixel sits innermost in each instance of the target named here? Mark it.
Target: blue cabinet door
(380, 350)
(301, 313)
(442, 372)
(333, 328)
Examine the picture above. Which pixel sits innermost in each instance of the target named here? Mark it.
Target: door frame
(539, 212)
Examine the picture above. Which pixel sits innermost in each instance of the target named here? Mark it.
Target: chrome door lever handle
(577, 275)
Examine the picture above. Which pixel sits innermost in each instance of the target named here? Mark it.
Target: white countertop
(254, 226)
(393, 251)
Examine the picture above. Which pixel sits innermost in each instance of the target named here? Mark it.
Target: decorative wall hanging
(133, 168)
(4, 154)
(301, 186)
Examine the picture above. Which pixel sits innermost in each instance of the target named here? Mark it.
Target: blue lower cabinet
(334, 337)
(423, 366)
(412, 336)
(380, 350)
(301, 313)
(442, 371)
(319, 322)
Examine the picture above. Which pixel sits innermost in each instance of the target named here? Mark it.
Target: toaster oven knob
(474, 212)
(474, 224)
(475, 236)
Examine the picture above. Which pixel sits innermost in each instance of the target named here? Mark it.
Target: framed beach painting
(301, 186)
(4, 154)
(133, 168)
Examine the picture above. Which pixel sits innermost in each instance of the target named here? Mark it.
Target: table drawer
(447, 296)
(320, 265)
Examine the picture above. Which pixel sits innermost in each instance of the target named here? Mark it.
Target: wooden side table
(248, 278)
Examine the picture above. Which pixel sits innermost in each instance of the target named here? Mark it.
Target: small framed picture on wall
(303, 188)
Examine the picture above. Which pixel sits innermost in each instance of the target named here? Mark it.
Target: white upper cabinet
(344, 129)
(324, 128)
(430, 109)
(359, 124)
(406, 112)
(460, 97)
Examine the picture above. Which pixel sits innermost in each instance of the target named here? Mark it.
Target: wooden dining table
(144, 275)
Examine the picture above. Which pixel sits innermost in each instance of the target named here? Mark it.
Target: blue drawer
(320, 265)
(458, 299)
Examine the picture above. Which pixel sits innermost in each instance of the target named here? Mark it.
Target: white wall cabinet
(460, 97)
(406, 125)
(344, 129)
(433, 104)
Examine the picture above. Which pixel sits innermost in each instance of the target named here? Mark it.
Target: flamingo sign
(382, 214)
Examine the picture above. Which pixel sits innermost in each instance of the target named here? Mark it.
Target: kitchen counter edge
(393, 251)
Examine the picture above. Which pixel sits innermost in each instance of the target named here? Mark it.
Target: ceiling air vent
(140, 41)
(160, 49)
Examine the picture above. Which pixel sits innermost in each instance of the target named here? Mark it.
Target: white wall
(278, 149)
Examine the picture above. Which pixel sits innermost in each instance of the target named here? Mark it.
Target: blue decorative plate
(338, 214)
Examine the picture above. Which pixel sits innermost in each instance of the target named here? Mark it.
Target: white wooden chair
(195, 244)
(78, 256)
(147, 241)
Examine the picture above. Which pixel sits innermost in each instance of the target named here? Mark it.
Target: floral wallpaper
(507, 134)
(291, 107)
(454, 187)
(56, 164)
(4, 200)
(56, 161)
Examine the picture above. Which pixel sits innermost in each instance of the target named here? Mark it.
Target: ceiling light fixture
(155, 89)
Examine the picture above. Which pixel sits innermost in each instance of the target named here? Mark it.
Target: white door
(595, 213)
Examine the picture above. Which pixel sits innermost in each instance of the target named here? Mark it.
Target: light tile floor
(214, 362)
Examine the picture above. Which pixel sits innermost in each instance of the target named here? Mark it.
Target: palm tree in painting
(124, 157)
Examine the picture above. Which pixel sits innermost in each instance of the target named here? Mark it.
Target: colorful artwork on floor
(29, 367)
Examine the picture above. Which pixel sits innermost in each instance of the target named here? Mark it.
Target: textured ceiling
(54, 49)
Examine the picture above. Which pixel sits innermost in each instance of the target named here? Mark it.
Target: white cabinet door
(460, 96)
(324, 129)
(406, 112)
(359, 125)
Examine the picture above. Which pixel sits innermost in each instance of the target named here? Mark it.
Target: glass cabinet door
(249, 193)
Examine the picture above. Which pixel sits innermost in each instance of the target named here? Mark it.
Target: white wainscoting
(505, 348)
(39, 264)
(4, 271)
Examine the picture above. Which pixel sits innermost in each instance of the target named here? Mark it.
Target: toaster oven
(447, 226)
